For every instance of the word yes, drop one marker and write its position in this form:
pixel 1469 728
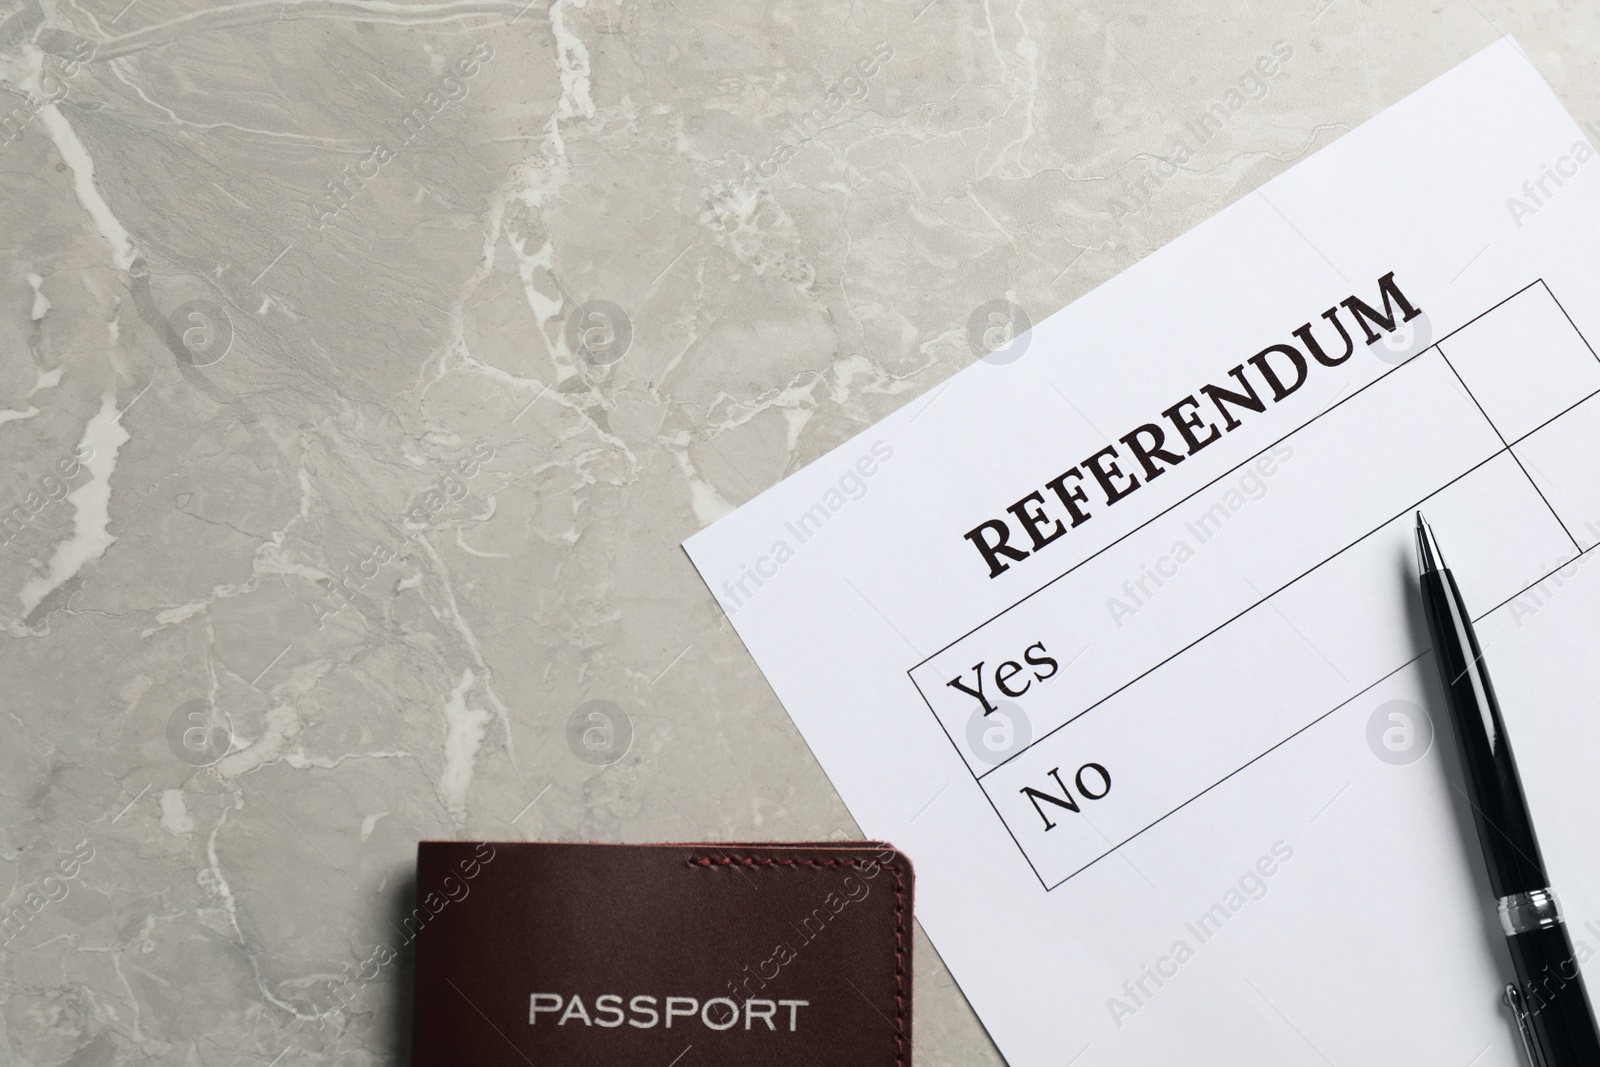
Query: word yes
pixel 1005 673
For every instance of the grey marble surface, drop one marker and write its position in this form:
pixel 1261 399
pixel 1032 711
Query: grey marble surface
pixel 366 361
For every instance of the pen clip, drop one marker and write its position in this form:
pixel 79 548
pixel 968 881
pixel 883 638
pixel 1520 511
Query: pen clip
pixel 1519 1011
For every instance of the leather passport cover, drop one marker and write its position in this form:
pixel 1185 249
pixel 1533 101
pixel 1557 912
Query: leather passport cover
pixel 589 955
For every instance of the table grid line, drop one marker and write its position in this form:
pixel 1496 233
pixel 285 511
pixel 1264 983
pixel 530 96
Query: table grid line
pixel 1313 722
pixel 1517 459
pixel 1306 573
pixel 1507 447
pixel 1242 463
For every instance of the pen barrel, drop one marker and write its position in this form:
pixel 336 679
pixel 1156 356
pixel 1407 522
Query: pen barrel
pixel 1557 1006
pixel 1499 808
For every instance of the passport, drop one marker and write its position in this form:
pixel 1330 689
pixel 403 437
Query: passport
pixel 692 955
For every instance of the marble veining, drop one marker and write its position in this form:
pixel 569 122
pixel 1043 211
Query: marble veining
pixel 366 361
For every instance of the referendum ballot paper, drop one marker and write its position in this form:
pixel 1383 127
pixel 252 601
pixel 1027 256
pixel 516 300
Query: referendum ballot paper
pixel 1117 634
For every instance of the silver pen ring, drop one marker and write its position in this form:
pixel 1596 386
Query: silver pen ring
pixel 1522 913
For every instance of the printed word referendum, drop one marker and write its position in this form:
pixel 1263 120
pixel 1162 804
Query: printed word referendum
pixel 1280 368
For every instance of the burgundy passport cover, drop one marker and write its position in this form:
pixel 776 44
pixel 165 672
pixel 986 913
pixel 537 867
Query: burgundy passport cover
pixel 571 955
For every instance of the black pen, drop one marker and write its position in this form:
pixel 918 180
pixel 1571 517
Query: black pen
pixel 1552 1010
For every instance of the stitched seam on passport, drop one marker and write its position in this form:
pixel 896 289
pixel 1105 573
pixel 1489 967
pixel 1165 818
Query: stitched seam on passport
pixel 708 862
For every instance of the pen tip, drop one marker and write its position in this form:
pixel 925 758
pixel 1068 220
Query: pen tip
pixel 1429 558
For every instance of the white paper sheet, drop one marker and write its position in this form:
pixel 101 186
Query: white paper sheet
pixel 1241 844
